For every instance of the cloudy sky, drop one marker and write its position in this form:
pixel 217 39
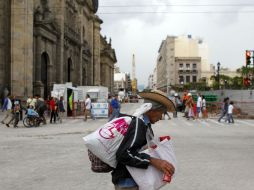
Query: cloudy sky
pixel 139 26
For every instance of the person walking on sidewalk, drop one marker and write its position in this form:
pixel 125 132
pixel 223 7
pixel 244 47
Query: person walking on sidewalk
pixel 41 107
pixel 53 109
pixel 88 107
pixel 204 110
pixel 230 118
pixel 7 106
pixel 224 108
pixel 137 135
pixel 115 104
pixel 16 108
pixel 199 106
pixel 61 108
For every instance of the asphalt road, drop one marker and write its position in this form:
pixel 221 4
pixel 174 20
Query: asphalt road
pixel 211 155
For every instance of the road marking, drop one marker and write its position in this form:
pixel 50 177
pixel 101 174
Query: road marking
pixel 187 123
pixel 244 122
pixel 215 122
pixel 204 123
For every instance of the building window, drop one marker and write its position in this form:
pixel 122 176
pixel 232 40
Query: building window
pixel 181 66
pixel 187 79
pixel 194 78
pixel 187 66
pixel 181 79
pixel 194 66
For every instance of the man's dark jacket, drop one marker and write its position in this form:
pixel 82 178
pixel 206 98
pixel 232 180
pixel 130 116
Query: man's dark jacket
pixel 128 152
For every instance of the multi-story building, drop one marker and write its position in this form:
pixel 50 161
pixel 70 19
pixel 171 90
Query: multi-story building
pixel 150 82
pixel 44 42
pixel 154 85
pixel 152 79
pixel 121 82
pixel 180 61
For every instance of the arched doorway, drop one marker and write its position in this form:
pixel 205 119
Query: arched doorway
pixel 44 73
pixel 69 68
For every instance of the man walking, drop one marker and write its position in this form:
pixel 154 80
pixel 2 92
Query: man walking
pixel 15 112
pixel 137 135
pixel 41 107
pixel 8 108
pixel 88 107
pixel 61 108
pixel 224 108
pixel 115 108
pixel 199 106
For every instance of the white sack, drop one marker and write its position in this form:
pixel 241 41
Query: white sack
pixel 105 141
pixel 151 178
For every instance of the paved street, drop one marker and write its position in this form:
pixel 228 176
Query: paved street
pixel 211 155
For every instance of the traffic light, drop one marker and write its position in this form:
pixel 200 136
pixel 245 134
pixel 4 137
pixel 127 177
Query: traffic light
pixel 248 57
pixel 246 82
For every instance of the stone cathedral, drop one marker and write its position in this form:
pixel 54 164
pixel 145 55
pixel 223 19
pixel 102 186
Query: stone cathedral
pixel 43 42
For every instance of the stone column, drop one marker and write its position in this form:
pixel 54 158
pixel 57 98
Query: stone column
pixel 38 60
pixel 96 51
pixel 4 46
pixel 22 47
pixel 60 11
pixel 38 86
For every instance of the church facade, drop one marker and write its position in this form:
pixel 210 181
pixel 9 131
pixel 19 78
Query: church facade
pixel 43 42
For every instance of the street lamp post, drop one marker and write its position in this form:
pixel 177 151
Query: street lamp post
pixel 218 72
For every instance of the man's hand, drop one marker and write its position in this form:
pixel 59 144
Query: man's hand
pixel 163 166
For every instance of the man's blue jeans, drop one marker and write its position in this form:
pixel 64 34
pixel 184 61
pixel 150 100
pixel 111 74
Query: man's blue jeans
pixel 115 114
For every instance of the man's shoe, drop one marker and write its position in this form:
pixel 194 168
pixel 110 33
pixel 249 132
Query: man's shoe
pixel 2 122
pixel 7 125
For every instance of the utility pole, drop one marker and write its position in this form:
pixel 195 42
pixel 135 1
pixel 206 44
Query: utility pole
pixel 218 72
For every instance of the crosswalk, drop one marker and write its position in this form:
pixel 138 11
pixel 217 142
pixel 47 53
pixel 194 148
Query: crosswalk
pixel 210 123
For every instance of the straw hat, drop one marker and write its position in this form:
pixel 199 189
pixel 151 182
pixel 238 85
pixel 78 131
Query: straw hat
pixel 160 97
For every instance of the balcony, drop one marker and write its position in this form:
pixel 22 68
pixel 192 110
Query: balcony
pixel 187 71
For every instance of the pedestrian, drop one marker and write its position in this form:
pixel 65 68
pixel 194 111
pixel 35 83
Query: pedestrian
pixel 224 108
pixel 33 102
pixel 199 106
pixel 190 107
pixel 16 107
pixel 204 110
pixel 61 108
pixel 41 107
pixel 7 107
pixel 230 118
pixel 28 101
pixel 88 107
pixel 52 104
pixel 115 104
pixel 178 103
pixel 185 98
pixel 128 152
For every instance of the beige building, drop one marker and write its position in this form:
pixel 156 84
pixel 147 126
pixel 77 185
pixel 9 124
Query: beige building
pixel 152 80
pixel 121 82
pixel 43 42
pixel 181 60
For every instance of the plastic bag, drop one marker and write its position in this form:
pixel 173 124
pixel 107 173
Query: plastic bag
pixel 105 141
pixel 152 178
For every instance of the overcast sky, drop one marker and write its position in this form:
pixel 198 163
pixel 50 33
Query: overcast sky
pixel 225 25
